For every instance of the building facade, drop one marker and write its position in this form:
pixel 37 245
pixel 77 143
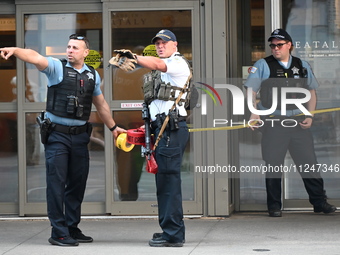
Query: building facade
pixel 222 38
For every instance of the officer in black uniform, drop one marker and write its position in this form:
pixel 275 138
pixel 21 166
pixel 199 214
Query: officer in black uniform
pixel 282 70
pixel 65 131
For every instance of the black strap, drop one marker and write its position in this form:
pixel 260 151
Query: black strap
pixel 154 124
pixel 182 118
pixel 72 130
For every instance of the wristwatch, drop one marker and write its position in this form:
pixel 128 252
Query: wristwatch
pixel 113 128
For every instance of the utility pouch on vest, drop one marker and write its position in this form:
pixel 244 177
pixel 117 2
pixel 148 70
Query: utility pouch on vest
pixel 164 91
pixel 80 111
pixel 71 104
pixel 45 127
pixel 148 88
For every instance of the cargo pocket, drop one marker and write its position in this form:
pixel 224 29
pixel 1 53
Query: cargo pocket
pixel 169 160
pixel 54 160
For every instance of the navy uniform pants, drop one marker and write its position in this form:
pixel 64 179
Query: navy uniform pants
pixel 169 155
pixel 276 141
pixel 67 168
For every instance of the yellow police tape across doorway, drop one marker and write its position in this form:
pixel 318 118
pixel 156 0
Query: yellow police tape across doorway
pixel 245 126
pixel 123 144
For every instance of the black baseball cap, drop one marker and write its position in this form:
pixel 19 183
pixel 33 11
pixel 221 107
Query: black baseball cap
pixel 280 34
pixel 165 35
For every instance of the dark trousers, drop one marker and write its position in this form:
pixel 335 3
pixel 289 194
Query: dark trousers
pixel 169 155
pixel 67 168
pixel 276 141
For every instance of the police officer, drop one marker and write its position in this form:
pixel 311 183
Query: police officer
pixel 72 88
pixel 174 70
pixel 279 70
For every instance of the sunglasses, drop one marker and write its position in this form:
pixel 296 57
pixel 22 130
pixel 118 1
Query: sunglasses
pixel 77 37
pixel 279 45
pixel 80 37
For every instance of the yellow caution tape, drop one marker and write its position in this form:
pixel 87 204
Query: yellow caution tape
pixel 245 126
pixel 324 110
pixel 218 128
pixel 121 143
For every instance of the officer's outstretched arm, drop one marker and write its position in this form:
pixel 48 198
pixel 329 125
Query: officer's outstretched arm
pixel 26 55
pixel 152 63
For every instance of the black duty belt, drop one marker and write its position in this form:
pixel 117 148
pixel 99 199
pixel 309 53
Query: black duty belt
pixel 72 130
pixel 155 126
pixel 182 118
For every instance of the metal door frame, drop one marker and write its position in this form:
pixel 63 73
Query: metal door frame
pixel 26 208
pixel 8 207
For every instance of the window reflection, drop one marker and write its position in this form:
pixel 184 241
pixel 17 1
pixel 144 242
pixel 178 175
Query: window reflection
pixel 314 27
pixel 130 165
pixel 48 34
pixel 95 188
pixel 132 182
pixel 8 157
pixel 134 31
pixel 35 162
pixel 252 185
pixel 7 67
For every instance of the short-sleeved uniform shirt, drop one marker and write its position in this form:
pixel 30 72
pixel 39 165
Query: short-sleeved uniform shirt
pixel 54 73
pixel 260 72
pixel 177 74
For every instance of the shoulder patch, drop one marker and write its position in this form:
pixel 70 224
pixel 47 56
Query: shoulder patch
pixel 177 59
pixel 252 69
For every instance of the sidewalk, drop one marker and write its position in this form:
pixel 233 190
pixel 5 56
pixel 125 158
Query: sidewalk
pixel 241 234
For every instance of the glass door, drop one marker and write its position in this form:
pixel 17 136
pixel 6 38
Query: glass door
pixel 252 190
pixel 9 168
pixel 134 189
pixel 314 27
pixel 48 34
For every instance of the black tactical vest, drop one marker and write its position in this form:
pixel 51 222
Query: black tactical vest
pixel 280 77
pixel 155 88
pixel 72 97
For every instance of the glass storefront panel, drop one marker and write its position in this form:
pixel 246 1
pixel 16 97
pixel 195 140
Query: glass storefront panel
pixel 35 162
pixel 48 34
pixel 134 30
pixel 8 157
pixel 7 67
pixel 8 120
pixel 130 165
pixel 252 185
pixel 132 182
pixel 314 27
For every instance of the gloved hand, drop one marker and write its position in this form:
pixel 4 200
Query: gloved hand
pixel 125 60
pixel 126 53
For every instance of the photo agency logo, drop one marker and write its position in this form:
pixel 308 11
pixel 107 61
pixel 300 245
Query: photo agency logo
pixel 238 106
pixel 204 97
